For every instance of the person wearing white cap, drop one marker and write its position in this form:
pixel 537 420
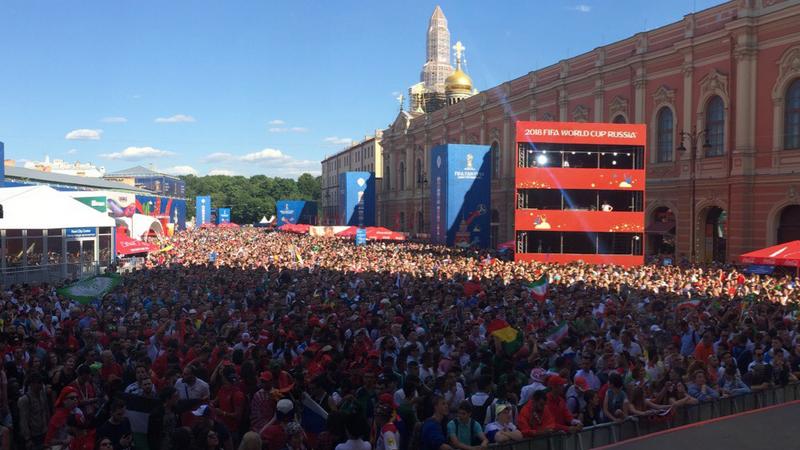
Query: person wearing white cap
pixel 503 429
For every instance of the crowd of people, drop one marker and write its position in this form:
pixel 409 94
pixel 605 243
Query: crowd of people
pixel 243 338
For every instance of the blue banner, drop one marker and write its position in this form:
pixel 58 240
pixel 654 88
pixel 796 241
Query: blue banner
pixel 460 195
pixel 361 236
pixel 174 209
pixel 202 210
pixel 81 232
pixel 223 215
pixel 357 199
pixel 296 211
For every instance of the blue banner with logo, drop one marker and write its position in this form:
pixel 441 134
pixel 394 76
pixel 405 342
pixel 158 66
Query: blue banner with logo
pixel 202 210
pixel 357 199
pixel 223 215
pixel 296 211
pixel 361 236
pixel 81 232
pixel 460 193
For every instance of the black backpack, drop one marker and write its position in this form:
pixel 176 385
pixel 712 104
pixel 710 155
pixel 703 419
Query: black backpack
pixel 479 411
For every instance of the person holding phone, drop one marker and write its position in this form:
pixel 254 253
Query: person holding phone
pixel 117 428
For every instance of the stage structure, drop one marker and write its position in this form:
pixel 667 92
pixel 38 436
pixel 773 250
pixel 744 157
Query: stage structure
pixel 580 192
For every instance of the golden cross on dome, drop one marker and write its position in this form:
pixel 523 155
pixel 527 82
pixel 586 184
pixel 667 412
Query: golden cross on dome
pixel 459 48
pixel 400 99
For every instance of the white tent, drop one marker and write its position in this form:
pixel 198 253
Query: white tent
pixel 42 207
pixel 264 220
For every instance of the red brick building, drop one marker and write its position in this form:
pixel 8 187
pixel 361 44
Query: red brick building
pixel 731 73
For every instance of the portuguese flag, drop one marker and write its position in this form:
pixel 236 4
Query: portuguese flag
pixel 538 288
pixel 509 336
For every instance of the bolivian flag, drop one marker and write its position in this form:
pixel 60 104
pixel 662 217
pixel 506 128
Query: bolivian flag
pixel 538 288
pixel 510 337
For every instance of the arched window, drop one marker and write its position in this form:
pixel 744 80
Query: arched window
pixel 791 117
pixel 386 179
pixel 664 135
pixel 619 118
pixel 495 152
pixel 715 126
pixel 402 176
pixel 419 172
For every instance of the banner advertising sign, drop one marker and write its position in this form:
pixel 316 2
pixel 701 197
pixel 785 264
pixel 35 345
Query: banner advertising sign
pixel 460 195
pixel 166 209
pixel 98 203
pixel 296 211
pixel 81 232
pixel 202 213
pixel 357 198
pixel 223 215
pixel 361 236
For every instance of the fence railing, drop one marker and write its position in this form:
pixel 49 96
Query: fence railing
pixel 49 273
pixel 610 433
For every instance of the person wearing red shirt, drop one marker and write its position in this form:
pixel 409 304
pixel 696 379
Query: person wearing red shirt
pixel 230 402
pixel 705 347
pixel 274 434
pixel 110 366
pixel 534 419
pixel 556 406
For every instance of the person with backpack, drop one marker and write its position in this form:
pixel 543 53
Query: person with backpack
pixel 482 399
pixel 464 432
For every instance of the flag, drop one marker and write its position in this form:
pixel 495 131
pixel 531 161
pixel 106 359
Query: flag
pixel 313 418
pixel 85 291
pixel 538 288
pixel 509 336
pixel 558 333
pixel 690 304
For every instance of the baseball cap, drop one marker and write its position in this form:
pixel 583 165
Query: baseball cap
pixel 500 407
pixel 203 410
pixel 265 376
pixel 581 383
pixel 555 380
pixel 284 406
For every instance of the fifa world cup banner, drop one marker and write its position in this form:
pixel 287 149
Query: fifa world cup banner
pixel 296 211
pixel 223 215
pixel 202 210
pixel 357 198
pixel 460 195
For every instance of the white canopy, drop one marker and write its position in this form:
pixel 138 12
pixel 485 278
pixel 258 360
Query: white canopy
pixel 264 220
pixel 42 207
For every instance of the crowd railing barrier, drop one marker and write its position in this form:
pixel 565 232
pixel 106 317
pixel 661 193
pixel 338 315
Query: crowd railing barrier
pixel 610 433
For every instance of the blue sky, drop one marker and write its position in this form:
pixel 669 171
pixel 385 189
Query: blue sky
pixel 256 86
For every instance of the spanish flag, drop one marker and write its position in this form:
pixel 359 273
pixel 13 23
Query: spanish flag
pixel 509 336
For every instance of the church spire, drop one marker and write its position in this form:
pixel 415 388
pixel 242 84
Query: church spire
pixel 437 66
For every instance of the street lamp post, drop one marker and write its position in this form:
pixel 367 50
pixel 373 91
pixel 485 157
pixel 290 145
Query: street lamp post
pixel 694 138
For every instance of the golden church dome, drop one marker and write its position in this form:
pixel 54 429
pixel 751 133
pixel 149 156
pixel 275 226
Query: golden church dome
pixel 458 81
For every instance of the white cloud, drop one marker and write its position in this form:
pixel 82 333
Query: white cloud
pixel 217 157
pixel 72 151
pixel 180 170
pixel 277 122
pixel 137 154
pixel 114 119
pixel 334 140
pixel 223 172
pixel 177 118
pixel 277 130
pixel 268 154
pixel 581 8
pixel 83 134
pixel 299 129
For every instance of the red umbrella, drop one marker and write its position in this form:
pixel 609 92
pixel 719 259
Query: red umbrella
pixel 129 246
pixel 228 225
pixel 207 225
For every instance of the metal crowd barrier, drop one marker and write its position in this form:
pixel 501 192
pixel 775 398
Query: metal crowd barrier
pixel 610 433
pixel 49 273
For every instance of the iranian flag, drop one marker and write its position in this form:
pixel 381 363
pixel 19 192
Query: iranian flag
pixel 558 333
pixel 509 336
pixel 690 304
pixel 538 288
